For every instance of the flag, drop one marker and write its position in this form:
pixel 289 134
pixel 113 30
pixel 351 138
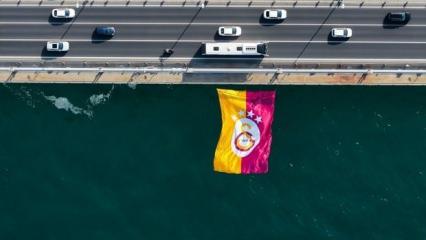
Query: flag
pixel 246 136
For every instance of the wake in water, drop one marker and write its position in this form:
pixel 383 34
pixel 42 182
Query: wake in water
pixel 64 104
pixel 97 99
pixel 32 97
pixel 132 85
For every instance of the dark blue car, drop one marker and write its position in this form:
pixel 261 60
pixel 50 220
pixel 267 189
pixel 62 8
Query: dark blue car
pixel 105 31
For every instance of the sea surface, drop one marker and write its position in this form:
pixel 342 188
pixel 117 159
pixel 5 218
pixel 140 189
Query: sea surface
pixel 136 162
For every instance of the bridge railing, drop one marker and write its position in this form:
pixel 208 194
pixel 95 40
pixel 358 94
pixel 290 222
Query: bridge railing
pixel 189 70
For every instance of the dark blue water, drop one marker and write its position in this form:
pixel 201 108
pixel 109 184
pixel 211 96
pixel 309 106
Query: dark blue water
pixel 118 162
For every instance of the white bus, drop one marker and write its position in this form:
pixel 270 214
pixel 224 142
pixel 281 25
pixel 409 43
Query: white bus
pixel 235 48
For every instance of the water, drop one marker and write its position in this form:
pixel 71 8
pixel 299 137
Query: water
pixel 135 162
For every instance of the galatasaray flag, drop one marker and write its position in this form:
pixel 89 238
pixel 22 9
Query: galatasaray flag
pixel 245 139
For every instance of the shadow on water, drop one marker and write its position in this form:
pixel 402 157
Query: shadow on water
pixel 269 22
pixel 47 55
pixel 335 41
pixel 201 61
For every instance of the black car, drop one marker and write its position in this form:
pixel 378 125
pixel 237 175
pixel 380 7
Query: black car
pixel 398 17
pixel 105 31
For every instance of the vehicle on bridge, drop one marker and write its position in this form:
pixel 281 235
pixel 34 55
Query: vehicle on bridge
pixel 235 48
pixel 341 32
pixel 229 31
pixel 275 14
pixel 63 13
pixel 168 51
pixel 105 31
pixel 58 46
pixel 398 17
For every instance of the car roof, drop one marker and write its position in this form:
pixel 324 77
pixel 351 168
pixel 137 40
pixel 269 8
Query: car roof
pixel 228 29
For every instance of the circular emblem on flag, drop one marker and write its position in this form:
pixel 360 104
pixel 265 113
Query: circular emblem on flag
pixel 244 141
pixel 245 137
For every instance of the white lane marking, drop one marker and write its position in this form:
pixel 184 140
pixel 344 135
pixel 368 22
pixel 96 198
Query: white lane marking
pixel 267 59
pixel 208 40
pixel 355 6
pixel 211 24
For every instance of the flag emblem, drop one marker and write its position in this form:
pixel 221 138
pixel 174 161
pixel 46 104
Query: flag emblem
pixel 245 139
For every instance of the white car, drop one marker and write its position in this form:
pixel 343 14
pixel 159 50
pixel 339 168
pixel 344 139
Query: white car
pixel 229 31
pixel 276 14
pixel 341 32
pixel 58 46
pixel 63 13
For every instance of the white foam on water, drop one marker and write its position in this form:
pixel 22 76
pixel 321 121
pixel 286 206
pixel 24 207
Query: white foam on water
pixel 132 85
pixel 64 104
pixel 97 99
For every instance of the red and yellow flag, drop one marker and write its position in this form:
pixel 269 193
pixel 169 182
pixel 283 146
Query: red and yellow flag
pixel 246 136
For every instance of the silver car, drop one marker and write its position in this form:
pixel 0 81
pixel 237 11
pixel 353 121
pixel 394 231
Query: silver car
pixel 58 46
pixel 229 31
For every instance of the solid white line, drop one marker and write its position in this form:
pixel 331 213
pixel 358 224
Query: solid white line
pixel 313 60
pixel 209 40
pixel 212 24
pixel 347 6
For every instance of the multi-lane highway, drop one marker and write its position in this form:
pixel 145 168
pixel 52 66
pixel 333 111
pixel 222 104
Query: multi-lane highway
pixel 144 32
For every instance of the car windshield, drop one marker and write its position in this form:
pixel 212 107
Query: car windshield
pixel 345 32
pixel 55 12
pixel 267 14
pixel 279 13
pixel 234 31
pixel 222 30
pixel 61 45
pixel 67 12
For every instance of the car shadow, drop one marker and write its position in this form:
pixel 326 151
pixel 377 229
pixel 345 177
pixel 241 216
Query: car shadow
pixel 335 41
pixel 58 21
pixel 96 38
pixel 48 55
pixel 269 22
pixel 219 38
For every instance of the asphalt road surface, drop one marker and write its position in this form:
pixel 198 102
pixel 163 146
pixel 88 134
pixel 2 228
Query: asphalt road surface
pixel 143 33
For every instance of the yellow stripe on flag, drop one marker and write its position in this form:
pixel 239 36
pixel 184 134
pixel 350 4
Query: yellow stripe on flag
pixel 232 104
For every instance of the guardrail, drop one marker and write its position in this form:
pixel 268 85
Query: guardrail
pixel 212 70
